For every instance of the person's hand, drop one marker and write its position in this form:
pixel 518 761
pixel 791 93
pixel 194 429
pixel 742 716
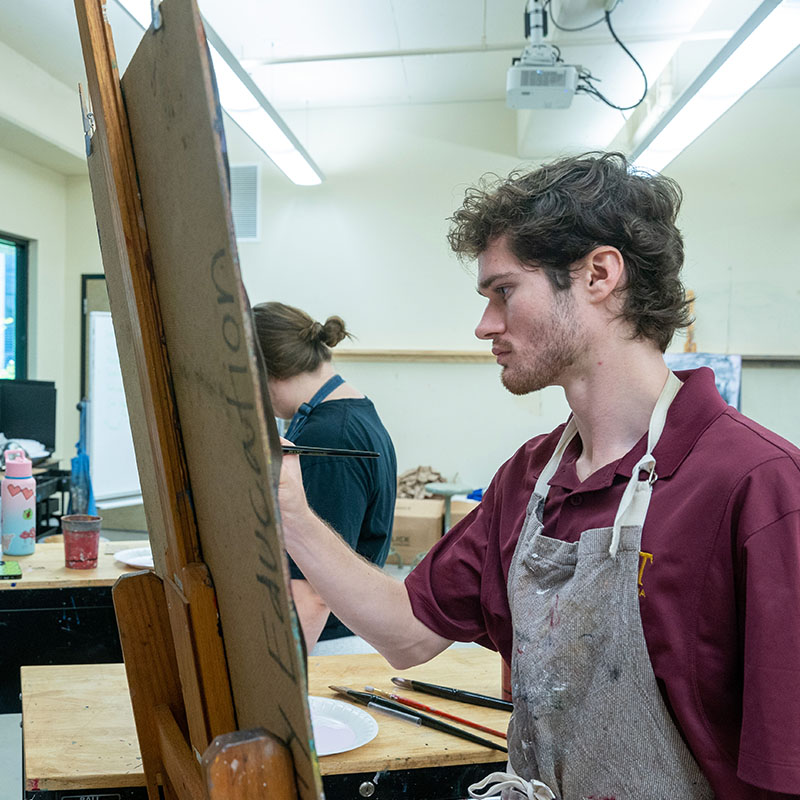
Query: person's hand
pixel 291 495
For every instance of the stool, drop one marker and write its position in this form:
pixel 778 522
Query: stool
pixel 447 490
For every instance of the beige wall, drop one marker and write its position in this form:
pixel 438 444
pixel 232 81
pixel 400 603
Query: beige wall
pixel 369 243
pixel 740 222
pixel 33 205
pixel 54 212
pixel 82 258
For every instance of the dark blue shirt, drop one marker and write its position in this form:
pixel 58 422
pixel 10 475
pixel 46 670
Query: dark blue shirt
pixel 355 496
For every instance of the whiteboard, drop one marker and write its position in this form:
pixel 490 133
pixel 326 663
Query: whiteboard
pixel 112 461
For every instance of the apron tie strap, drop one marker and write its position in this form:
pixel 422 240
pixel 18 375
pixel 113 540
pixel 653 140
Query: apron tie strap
pixel 496 782
pixel 301 415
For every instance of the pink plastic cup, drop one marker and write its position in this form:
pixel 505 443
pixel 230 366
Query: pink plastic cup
pixel 81 540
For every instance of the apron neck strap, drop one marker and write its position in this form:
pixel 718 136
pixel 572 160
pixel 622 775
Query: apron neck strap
pixel 543 482
pixel 626 514
pixel 302 413
pixel 636 497
pixel 659 417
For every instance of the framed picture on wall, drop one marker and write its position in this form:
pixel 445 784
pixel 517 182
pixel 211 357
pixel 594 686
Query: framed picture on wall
pixel 727 371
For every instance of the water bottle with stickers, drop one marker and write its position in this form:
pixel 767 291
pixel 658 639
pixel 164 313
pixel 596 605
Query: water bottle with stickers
pixel 18 505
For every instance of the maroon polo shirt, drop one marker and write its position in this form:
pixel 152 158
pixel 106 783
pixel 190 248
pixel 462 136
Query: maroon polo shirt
pixel 719 583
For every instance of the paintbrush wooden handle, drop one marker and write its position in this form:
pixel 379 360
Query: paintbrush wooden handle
pixel 422 707
pixel 407 701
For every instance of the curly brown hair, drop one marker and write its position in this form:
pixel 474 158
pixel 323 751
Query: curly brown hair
pixel 556 215
pixel 291 341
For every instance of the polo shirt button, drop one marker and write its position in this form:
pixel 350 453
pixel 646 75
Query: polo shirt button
pixel 576 499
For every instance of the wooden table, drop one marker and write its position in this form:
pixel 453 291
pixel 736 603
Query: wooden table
pixel 45 568
pixel 79 736
pixel 55 615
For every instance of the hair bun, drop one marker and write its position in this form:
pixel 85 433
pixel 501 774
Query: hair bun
pixel 333 331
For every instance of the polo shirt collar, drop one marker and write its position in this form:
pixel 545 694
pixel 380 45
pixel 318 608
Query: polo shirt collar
pixel 694 408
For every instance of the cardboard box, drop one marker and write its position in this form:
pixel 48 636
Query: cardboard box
pixel 418 524
pixel 460 508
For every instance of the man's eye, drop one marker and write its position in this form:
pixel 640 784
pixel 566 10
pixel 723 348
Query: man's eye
pixel 502 291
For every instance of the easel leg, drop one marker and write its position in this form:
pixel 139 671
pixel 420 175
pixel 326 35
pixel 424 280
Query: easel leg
pixel 153 680
pixel 249 765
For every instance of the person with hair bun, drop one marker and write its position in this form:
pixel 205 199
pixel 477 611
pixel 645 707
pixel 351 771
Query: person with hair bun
pixel 354 496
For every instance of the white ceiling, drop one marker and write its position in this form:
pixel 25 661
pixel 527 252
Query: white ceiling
pixel 351 53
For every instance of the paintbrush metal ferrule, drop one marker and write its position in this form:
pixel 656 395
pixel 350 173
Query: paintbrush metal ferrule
pixel 371 699
pixel 373 690
pixel 359 697
pixel 459 695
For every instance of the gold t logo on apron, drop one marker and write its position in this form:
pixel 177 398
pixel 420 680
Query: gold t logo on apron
pixel 644 560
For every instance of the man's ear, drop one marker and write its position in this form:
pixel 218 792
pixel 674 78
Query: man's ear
pixel 602 273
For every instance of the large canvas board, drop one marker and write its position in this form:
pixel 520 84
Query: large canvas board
pixel 223 409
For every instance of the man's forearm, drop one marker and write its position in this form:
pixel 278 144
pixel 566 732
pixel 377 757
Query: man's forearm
pixel 370 602
pixel 311 609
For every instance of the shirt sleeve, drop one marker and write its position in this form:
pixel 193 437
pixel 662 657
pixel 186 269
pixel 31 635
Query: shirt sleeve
pixel 446 587
pixel 769 754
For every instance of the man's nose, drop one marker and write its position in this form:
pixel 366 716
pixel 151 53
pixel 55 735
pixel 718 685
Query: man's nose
pixel 490 324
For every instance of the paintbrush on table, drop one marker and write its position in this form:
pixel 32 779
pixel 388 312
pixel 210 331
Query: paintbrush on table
pixel 407 701
pixel 366 699
pixel 454 694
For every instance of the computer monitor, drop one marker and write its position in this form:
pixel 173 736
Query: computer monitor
pixel 28 411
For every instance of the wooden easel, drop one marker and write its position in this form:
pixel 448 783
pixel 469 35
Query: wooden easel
pixel 210 640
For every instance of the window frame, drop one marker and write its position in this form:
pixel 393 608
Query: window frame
pixel 21 319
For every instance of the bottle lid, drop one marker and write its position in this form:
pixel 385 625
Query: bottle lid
pixel 18 465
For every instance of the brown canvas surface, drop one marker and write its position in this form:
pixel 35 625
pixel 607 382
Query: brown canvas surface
pixel 224 414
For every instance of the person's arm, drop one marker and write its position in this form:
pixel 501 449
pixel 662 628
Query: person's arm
pixel 312 611
pixel 371 603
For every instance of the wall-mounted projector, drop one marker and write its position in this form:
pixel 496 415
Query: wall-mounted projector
pixel 539 78
pixel 540 86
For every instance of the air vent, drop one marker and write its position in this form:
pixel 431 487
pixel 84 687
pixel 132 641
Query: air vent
pixel 539 77
pixel 244 201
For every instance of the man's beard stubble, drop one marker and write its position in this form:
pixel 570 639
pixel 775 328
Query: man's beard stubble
pixel 557 348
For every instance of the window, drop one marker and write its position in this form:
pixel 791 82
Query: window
pixel 14 298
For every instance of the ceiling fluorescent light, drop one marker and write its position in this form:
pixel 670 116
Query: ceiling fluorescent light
pixel 765 39
pixel 245 104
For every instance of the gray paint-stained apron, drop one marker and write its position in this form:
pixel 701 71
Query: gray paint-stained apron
pixel 589 720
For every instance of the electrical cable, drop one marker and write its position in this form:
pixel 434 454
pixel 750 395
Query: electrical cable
pixel 590 89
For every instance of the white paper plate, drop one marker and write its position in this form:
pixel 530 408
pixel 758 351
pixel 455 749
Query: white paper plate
pixel 339 727
pixel 141 557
